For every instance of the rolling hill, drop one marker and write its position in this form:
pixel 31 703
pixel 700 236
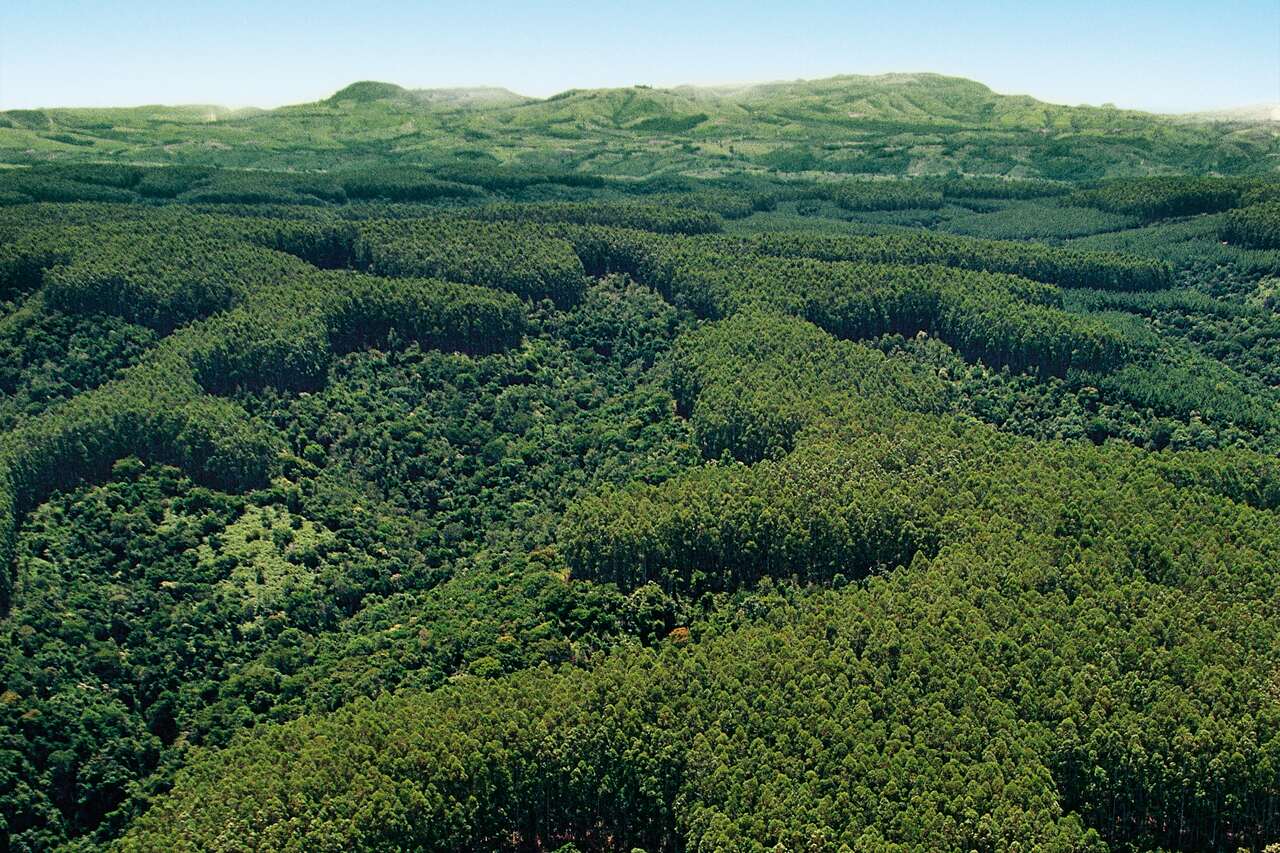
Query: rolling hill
pixel 867 464
pixel 888 124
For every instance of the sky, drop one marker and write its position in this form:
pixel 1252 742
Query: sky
pixel 1159 55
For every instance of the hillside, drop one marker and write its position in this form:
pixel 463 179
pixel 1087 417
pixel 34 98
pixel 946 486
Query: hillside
pixel 367 91
pixel 846 465
pixel 843 125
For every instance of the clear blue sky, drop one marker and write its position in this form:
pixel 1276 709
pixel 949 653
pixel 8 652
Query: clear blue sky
pixel 1164 55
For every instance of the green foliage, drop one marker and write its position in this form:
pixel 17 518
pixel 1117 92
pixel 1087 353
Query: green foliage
pixel 453 470
pixel 285 348
pixel 283 335
pixel 885 195
pixel 24 260
pixel 1000 319
pixel 402 184
pixel 646 217
pixel 1158 198
pixel 973 187
pixel 368 90
pixel 751 383
pixel 619 319
pixel 511 256
pixel 863 717
pixel 275 599
pixel 669 124
pixel 1192 385
pixel 710 530
pixel 236 187
pixel 164 281
pixel 1254 227
pixel 728 203
pixel 1063 267
pixel 171 181
pixel 48 355
pixel 1195 248
pixel 52 186
pixel 1037 222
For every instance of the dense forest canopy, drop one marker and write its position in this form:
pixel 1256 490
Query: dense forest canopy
pixel 856 465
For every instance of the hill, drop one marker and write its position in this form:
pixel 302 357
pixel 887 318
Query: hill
pixel 844 465
pixel 880 125
pixel 367 91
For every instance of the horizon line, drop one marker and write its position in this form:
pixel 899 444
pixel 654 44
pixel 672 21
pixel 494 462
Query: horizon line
pixel 1225 108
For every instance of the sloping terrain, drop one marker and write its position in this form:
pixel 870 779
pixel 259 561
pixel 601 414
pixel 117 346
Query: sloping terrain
pixel 755 469
pixel 892 124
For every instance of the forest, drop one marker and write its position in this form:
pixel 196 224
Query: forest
pixel 560 479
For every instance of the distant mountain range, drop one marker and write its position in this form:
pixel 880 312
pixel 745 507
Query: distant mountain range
pixel 1254 113
pixel 878 96
pixel 470 96
pixel 931 96
pixel 887 124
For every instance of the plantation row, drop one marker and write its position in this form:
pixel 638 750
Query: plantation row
pixel 751 383
pixel 761 387
pixel 1002 320
pixel 1050 666
pixel 1146 198
pixel 650 205
pixel 1159 198
pixel 510 256
pixel 1255 227
pixel 439 183
pixel 1032 220
pixel 1195 248
pixel 165 282
pixel 452 486
pixel 657 261
pixel 1163 197
pixel 197 184
pixel 1063 267
pixel 753 386
pixel 814 515
pixel 418 183
pixel 726 203
pixel 276 322
pixel 499 253
pixel 91 266
pixel 977 187
pixel 999 319
pixel 885 195
pixel 282 332
pixel 667 219
pixel 870 488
